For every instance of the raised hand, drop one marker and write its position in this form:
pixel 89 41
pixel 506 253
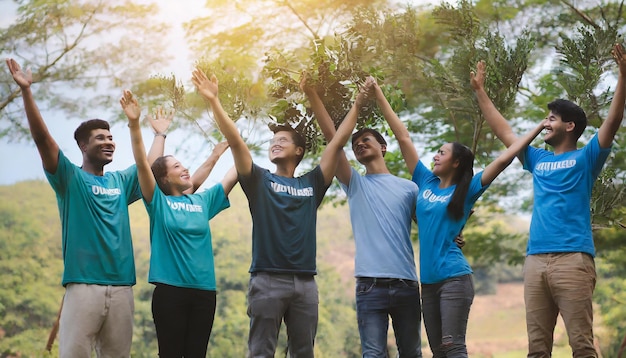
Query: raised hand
pixel 23 79
pixel 305 84
pixel 477 79
pixel 365 92
pixel 620 57
pixel 161 120
pixel 207 88
pixel 131 107
pixel 220 148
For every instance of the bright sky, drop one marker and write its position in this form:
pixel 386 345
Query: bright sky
pixel 21 161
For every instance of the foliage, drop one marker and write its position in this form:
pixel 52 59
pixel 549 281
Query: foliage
pixel 535 51
pixel 87 45
pixel 31 268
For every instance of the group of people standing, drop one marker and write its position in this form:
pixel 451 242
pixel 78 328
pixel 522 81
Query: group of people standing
pixel 559 272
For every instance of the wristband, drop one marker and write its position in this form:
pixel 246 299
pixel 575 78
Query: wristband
pixel 160 135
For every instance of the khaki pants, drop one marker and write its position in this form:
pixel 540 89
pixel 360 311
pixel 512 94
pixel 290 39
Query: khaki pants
pixel 96 317
pixel 559 283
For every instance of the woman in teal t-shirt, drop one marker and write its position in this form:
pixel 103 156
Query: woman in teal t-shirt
pixel 181 260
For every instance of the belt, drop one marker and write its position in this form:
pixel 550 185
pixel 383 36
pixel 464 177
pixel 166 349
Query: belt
pixel 383 280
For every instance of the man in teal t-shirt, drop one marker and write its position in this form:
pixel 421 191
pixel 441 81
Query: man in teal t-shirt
pixel 99 267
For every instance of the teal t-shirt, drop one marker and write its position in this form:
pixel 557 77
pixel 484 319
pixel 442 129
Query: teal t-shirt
pixel 440 257
pixel 180 237
pixel 96 240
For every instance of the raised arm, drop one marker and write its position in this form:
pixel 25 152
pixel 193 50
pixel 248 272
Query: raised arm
pixel 208 88
pixel 334 148
pixel 160 122
pixel 131 108
pixel 46 145
pixel 409 153
pixel 503 160
pixel 613 121
pixel 200 175
pixel 494 118
pixel 230 180
pixel 343 171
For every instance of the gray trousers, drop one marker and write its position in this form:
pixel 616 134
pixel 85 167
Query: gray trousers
pixel 273 298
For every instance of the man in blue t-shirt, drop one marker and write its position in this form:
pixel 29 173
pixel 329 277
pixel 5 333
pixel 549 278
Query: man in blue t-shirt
pixel 381 207
pixel 99 266
pixel 559 271
pixel 284 214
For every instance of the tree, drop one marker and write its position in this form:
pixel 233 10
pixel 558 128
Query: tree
pixel 81 54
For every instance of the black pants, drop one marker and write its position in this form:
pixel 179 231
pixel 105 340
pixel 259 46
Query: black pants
pixel 183 318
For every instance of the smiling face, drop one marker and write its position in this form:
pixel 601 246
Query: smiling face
pixel 556 130
pixel 99 148
pixel 443 162
pixel 177 177
pixel 366 148
pixel 283 147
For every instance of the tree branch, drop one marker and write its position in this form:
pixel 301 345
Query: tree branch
pixel 581 14
pixel 288 5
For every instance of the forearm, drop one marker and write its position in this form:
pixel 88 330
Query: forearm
pixel 346 127
pixel 504 160
pixel 613 121
pixel 499 125
pixel 343 169
pixel 156 149
pixel 397 127
pixel 230 180
pixel 409 153
pixel 322 116
pixel 334 148
pixel 144 172
pixel 241 153
pixel 46 145
pixel 203 172
pixel 223 121
pixel 524 141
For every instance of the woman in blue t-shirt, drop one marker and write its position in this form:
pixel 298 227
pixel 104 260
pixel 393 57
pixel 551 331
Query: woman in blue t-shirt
pixel 445 198
pixel 181 259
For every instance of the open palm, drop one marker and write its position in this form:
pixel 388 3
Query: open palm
pixel 23 79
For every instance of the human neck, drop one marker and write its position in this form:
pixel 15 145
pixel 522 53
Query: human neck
pixel 91 168
pixel 376 167
pixel 564 147
pixel 285 170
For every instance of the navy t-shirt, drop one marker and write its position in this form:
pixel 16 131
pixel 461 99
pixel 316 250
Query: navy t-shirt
pixel 284 217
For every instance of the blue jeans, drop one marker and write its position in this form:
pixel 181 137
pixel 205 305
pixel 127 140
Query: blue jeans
pixel 274 297
pixel 379 299
pixel 446 308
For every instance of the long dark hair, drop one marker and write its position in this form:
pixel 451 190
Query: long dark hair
pixel 462 178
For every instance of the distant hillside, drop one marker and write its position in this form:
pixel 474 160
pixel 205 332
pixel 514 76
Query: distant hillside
pixel 30 272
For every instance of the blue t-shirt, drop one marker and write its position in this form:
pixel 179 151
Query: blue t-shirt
pixel 440 257
pixel 96 240
pixel 180 237
pixel 381 206
pixel 562 185
pixel 284 216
